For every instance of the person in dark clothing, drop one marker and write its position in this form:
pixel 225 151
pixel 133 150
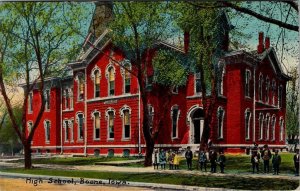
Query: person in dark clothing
pixel 189 158
pixel 155 159
pixel 266 156
pixel 202 159
pixel 276 160
pixel 162 159
pixel 213 156
pixel 296 162
pixel 255 157
pixel 221 161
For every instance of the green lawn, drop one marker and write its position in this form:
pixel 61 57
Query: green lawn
pixel 77 160
pixel 228 182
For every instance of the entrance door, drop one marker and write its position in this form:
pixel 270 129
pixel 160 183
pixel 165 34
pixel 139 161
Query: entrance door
pixel 197 126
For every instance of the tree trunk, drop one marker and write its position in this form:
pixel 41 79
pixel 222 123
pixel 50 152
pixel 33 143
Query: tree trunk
pixel 27 155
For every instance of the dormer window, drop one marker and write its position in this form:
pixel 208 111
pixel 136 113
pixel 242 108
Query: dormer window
pixel 111 81
pixel 198 88
pixel 80 81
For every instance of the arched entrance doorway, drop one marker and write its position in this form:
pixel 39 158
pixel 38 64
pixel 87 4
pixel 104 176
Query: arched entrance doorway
pixel 196 125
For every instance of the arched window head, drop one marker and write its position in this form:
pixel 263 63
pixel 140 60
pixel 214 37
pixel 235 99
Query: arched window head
pixel 220 114
pixel 125 71
pixel 96 75
pixel 247 123
pixel 110 75
pixel 80 82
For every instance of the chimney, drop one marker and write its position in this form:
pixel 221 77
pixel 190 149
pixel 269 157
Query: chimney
pixel 186 41
pixel 260 47
pixel 267 42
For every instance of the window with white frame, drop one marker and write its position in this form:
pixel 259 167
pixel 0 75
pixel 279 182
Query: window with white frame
pixel 47 131
pixel 111 81
pixel 220 115
pixel 280 91
pixel 96 116
pixel 261 126
pixel 67 98
pixel 127 78
pixel 71 98
pixel 150 116
pixel 267 133
pixel 47 100
pixel 175 117
pixel 29 127
pixel 96 83
pixel 175 89
pixel 125 114
pixel 80 123
pixel 281 126
pixel 110 116
pixel 273 125
pixel 260 87
pixel 80 83
pixel 67 130
pixel 221 66
pixel 71 124
pixel 30 102
pixel 247 123
pixel 267 90
pixel 198 88
pixel 247 83
pixel 273 91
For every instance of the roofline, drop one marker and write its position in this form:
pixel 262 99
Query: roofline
pixel 164 43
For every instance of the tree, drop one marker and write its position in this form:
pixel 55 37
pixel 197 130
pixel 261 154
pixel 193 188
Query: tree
pixel 34 35
pixel 293 102
pixel 135 28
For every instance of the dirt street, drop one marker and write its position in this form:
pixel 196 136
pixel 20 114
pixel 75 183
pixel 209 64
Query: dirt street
pixel 9 184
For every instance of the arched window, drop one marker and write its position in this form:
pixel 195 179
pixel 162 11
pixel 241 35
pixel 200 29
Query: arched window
pixel 66 124
pixel 80 123
pixel 47 131
pixel 267 133
pixel 111 81
pixel 151 116
pixel 220 115
pixel 280 91
pixel 267 89
pixel 126 77
pixel 281 126
pixel 247 123
pixel 273 124
pixel 80 82
pixel 67 98
pixel 110 117
pixel 247 83
pixel 47 100
pixel 29 127
pixel 260 87
pixel 125 112
pixel 97 83
pixel 221 66
pixel 273 91
pixel 96 117
pixel 175 117
pixel 261 126
pixel 30 102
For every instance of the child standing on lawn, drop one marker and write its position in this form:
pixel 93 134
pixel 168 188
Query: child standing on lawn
pixel 162 159
pixel 255 160
pixel 171 160
pixel 202 160
pixel 276 160
pixel 155 159
pixel 221 161
pixel 176 160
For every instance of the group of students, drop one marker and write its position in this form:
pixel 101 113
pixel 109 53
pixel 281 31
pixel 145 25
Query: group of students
pixel 266 157
pixel 172 158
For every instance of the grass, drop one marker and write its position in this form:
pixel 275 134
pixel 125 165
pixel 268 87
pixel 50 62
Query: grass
pixel 228 182
pixel 77 160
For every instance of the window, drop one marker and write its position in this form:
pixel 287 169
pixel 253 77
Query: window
pixel 221 66
pixel 267 133
pixel 247 83
pixel 67 130
pixel 220 115
pixel 47 100
pixel 198 88
pixel 47 131
pixel 281 125
pixel 111 81
pixel 80 80
pixel 267 90
pixel 96 125
pixel 29 127
pixel 247 123
pixel 127 79
pixel 71 124
pixel 111 133
pixel 151 116
pixel 273 91
pixel 80 126
pixel 126 124
pixel 67 97
pixel 280 96
pixel 261 126
pixel 175 90
pixel 97 83
pixel 71 98
pixel 30 99
pixel 260 84
pixel 273 124
pixel 175 117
